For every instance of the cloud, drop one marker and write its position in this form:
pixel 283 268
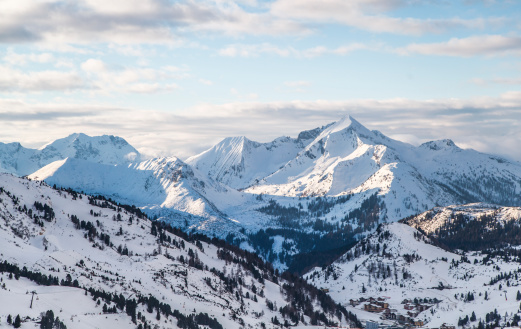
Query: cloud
pixel 130 21
pixel 370 16
pixel 94 76
pixel 241 50
pixel 502 81
pixel 487 124
pixel 13 58
pixel 12 80
pixel 105 79
pixel 295 84
pixel 205 82
pixel 256 50
pixel 482 45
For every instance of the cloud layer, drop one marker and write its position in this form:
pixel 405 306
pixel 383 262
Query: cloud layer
pixel 486 124
pixel 159 21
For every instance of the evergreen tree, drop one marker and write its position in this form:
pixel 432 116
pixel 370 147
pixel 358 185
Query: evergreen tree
pixel 473 317
pixel 9 319
pixel 17 322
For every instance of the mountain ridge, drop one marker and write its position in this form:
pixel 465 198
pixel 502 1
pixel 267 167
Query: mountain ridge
pixel 340 180
pixel 107 149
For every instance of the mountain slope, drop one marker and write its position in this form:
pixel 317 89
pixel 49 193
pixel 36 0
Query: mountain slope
pixel 422 282
pixel 21 161
pixel 164 187
pixel 476 226
pixel 239 162
pixel 136 272
pixel 347 158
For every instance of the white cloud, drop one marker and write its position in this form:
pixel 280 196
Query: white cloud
pixel 141 80
pixel 206 82
pixel 13 58
pixel 494 81
pixel 256 50
pixel 93 66
pixel 12 80
pixel 297 86
pixel 300 83
pixel 130 21
pixel 486 45
pixel 370 16
pixel 151 88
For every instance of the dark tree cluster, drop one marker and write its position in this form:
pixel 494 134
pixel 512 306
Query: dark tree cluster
pixel 48 211
pixel 48 321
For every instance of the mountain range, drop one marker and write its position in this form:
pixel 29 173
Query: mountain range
pixel 340 180
pixel 394 233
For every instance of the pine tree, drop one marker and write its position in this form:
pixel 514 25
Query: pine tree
pixel 473 317
pixel 9 319
pixel 17 322
pixel 518 297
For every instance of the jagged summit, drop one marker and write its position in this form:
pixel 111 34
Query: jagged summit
pixel 442 144
pixel 239 162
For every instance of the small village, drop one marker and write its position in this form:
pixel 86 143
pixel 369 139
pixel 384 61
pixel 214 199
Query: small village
pixel 404 318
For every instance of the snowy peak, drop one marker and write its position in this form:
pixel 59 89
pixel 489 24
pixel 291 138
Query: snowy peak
pixel 18 160
pixel 443 144
pixel 344 127
pixel 239 162
pixel 105 149
pixel 224 158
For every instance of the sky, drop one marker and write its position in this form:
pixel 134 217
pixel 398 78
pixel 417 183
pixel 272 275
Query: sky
pixel 174 77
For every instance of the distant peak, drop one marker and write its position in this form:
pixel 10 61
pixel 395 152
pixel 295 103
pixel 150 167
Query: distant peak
pixel 442 144
pixel 348 122
pixel 353 121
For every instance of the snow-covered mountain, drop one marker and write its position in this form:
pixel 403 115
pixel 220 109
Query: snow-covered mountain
pixel 239 162
pixel 398 274
pixel 346 158
pixel 21 161
pixel 96 264
pixel 475 226
pixel 339 181
pixel 434 220
pixel 163 187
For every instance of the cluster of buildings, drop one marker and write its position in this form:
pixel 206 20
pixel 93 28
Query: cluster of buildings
pixel 406 317
pixel 376 325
